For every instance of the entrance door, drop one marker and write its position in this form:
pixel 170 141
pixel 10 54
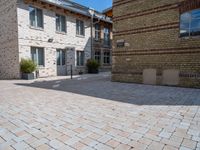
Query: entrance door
pixel 61 62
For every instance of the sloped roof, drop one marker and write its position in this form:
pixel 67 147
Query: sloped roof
pixel 77 8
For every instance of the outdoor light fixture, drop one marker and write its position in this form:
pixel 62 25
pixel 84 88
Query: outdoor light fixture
pixel 50 40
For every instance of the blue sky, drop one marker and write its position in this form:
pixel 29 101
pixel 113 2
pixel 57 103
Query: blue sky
pixel 96 4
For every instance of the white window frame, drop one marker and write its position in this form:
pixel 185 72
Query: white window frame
pixel 61 51
pixel 97 32
pixel 78 60
pixel 36 18
pixel 105 57
pixel 60 23
pixel 37 55
pixel 97 57
pixel 79 27
pixel 190 22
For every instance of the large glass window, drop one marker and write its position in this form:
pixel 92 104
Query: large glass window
pixel 60 23
pixel 61 57
pixel 97 56
pixel 97 32
pixel 80 30
pixel 106 59
pixel 190 23
pixel 106 36
pixel 36 17
pixel 80 58
pixel 37 55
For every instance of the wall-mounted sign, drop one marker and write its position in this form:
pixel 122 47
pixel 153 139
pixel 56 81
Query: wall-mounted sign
pixel 120 43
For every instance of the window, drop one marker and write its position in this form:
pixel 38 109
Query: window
pixel 190 23
pixel 106 36
pixel 106 59
pixel 97 56
pixel 80 58
pixel 36 17
pixel 60 57
pixel 37 55
pixel 60 23
pixel 80 30
pixel 97 32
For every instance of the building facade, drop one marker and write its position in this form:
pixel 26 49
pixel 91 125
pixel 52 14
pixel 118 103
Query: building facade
pixel 156 42
pixel 55 34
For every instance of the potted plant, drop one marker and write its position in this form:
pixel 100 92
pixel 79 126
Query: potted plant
pixel 93 66
pixel 27 67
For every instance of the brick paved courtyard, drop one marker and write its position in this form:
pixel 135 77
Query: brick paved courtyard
pixel 92 113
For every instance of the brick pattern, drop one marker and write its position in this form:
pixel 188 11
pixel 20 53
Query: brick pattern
pixel 9 58
pixel 151 34
pixel 35 115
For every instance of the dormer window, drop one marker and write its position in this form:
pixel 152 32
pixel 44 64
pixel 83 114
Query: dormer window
pixel 190 23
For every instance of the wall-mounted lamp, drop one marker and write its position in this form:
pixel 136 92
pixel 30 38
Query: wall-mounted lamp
pixel 50 40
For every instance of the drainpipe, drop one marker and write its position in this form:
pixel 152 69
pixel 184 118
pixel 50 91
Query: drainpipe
pixel 91 11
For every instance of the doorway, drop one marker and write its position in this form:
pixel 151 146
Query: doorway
pixel 61 62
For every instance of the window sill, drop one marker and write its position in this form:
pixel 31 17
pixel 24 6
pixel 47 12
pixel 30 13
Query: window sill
pixel 80 66
pixel 40 67
pixel 190 37
pixel 106 64
pixel 107 46
pixel 60 32
pixel 80 36
pixel 36 28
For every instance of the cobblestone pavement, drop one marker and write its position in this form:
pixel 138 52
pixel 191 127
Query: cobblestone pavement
pixel 92 113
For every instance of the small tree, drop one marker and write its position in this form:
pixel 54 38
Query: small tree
pixel 27 66
pixel 93 66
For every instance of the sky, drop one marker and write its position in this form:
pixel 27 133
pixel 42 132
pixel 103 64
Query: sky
pixel 98 5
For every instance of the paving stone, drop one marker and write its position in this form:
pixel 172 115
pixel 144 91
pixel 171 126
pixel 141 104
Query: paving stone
pixel 101 146
pixel 105 138
pixel 189 144
pixel 168 147
pixel 20 146
pixel 123 147
pixel 79 145
pixel 171 142
pixel 90 113
pixel 165 134
pixel 137 145
pixel 56 144
pixel 39 142
pixel 113 143
pixel 43 147
pixel 72 140
pixel 155 146
pixel 184 148
pixel 135 136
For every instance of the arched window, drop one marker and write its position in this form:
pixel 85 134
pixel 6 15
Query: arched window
pixel 190 23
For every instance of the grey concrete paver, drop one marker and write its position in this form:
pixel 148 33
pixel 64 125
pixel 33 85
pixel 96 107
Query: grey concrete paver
pixel 90 112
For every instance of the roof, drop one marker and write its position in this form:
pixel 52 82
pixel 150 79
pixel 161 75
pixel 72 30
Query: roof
pixel 107 9
pixel 77 8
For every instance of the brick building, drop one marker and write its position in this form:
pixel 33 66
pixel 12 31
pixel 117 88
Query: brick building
pixel 54 33
pixel 157 42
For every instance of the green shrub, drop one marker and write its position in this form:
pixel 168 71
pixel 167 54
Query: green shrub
pixel 93 66
pixel 27 66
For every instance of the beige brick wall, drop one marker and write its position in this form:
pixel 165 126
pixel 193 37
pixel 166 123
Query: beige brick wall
pixel 9 58
pixel 39 38
pixel 159 49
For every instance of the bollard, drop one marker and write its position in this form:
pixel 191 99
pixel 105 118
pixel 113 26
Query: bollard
pixel 71 73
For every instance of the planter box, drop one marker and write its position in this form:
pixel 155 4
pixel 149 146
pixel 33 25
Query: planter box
pixel 28 76
pixel 93 71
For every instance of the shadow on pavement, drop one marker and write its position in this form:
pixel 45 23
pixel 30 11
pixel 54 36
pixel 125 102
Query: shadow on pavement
pixel 100 86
